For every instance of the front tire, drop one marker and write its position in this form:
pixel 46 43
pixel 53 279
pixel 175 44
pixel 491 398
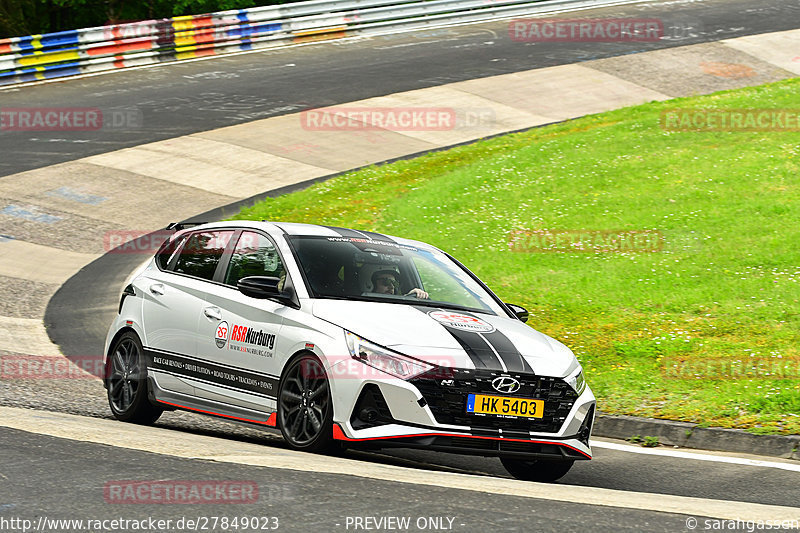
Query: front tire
pixel 536 470
pixel 127 382
pixel 305 408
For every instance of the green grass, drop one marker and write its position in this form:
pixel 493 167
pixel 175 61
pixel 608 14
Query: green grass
pixel 726 285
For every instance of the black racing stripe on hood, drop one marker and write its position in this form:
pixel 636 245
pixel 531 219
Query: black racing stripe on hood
pixel 490 351
pixel 478 350
pixel 508 352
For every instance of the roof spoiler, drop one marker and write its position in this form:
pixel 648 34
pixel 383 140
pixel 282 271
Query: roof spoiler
pixel 180 226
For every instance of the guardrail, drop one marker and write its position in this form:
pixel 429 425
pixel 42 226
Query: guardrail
pixel 68 53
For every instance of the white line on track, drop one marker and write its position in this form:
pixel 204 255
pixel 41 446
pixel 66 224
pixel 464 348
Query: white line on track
pixel 696 456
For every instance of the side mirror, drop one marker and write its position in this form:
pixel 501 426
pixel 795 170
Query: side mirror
pixel 259 286
pixel 518 310
pixel 266 287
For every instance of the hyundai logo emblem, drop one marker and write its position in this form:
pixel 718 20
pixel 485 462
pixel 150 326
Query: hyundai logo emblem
pixel 506 384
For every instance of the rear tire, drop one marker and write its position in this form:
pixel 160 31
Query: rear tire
pixel 127 382
pixel 536 469
pixel 305 408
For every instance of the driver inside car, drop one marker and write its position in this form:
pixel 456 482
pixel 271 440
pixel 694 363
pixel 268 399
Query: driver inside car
pixel 386 282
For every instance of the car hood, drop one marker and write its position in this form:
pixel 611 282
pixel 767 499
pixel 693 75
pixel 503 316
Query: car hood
pixel 451 338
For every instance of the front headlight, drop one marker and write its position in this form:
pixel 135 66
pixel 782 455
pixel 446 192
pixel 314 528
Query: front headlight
pixel 576 381
pixel 381 358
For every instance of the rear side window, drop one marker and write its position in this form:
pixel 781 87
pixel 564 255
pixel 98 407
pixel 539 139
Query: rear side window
pixel 168 251
pixel 254 255
pixel 200 255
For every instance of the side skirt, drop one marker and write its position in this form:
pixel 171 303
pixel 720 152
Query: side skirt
pixel 174 400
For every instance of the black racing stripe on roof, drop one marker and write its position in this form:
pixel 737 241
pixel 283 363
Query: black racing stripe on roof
pixel 378 236
pixel 345 232
pixel 357 234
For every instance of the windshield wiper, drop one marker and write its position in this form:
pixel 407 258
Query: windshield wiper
pixel 446 305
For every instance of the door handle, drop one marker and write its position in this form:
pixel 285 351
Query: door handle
pixel 213 312
pixel 157 288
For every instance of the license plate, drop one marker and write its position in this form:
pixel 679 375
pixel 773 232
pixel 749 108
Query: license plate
pixel 499 405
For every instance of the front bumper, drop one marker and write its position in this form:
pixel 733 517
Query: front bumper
pixel 430 413
pixel 465 443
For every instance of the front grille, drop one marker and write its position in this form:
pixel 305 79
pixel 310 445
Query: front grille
pixel 465 442
pixel 446 394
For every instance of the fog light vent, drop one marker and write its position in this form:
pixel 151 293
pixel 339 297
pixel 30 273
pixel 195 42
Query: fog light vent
pixel 371 409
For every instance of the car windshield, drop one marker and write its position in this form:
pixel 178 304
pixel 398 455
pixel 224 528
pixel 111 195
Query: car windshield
pixel 384 271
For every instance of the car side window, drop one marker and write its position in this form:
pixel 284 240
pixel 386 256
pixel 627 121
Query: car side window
pixel 167 252
pixel 200 255
pixel 254 255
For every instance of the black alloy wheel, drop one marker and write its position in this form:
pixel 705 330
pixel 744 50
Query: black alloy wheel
pixel 305 409
pixel 126 377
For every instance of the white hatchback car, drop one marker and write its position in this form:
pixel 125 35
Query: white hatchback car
pixel 343 337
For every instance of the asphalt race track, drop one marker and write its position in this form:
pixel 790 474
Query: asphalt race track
pixel 61 477
pixel 305 502
pixel 168 101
